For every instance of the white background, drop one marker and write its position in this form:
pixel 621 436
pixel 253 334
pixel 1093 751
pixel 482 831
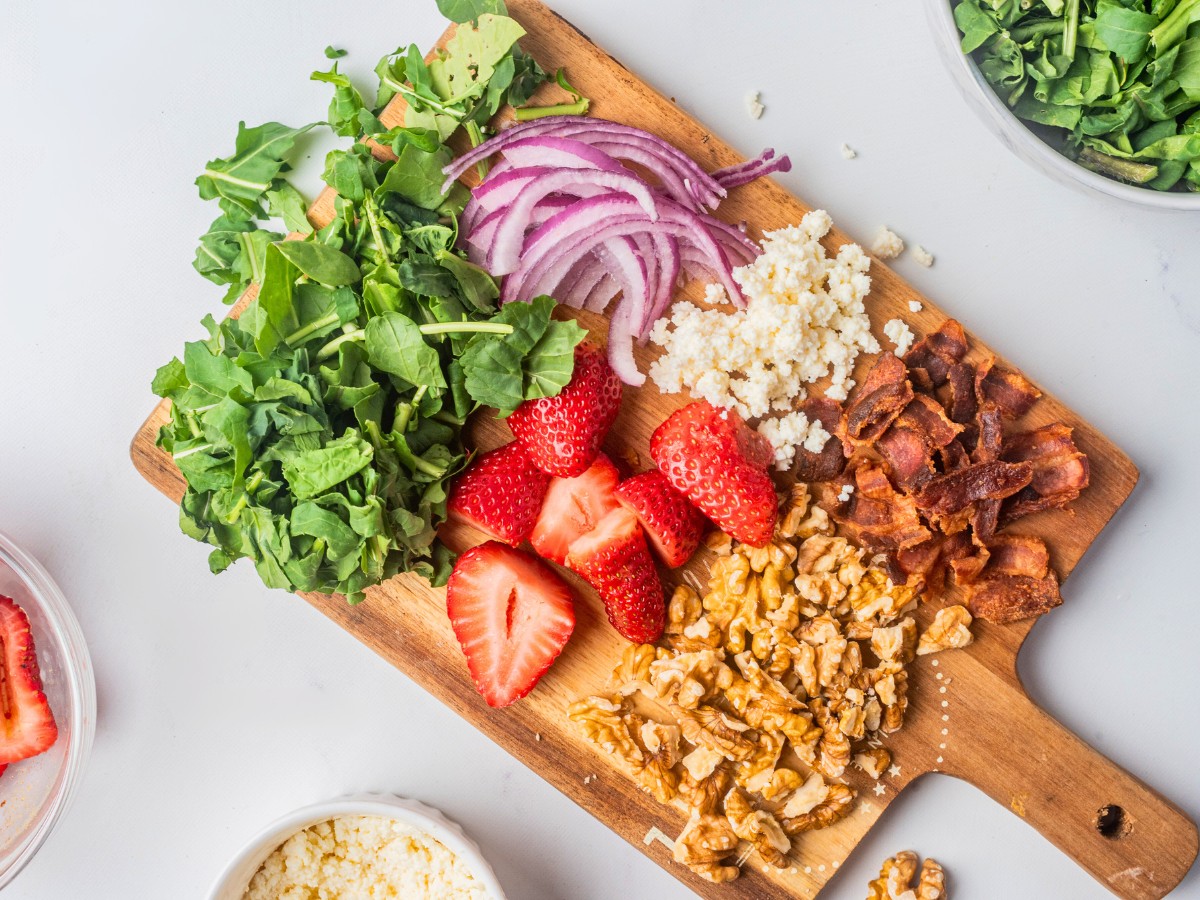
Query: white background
pixel 223 705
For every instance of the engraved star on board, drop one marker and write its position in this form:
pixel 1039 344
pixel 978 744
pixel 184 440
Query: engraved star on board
pixel 879 789
pixel 894 771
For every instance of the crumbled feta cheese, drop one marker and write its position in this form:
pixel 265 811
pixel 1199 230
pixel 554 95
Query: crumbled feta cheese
pixel 788 432
pixel 915 305
pixel 848 152
pixel 363 856
pixel 900 335
pixel 754 106
pixel 923 256
pixel 846 491
pixel 888 244
pixel 804 321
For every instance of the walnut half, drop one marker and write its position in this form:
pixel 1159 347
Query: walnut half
pixel 895 881
pixel 950 630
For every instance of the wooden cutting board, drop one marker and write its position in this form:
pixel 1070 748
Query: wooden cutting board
pixel 974 722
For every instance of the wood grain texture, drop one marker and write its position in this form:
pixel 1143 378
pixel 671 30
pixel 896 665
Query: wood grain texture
pixel 975 722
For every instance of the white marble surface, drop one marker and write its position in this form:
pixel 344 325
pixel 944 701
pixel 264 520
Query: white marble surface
pixel 223 705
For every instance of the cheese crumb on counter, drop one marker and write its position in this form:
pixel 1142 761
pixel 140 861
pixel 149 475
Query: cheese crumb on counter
pixel 888 244
pixel 848 152
pixel 923 256
pixel 804 320
pixel 899 334
pixel 753 105
pixel 915 305
pixel 363 856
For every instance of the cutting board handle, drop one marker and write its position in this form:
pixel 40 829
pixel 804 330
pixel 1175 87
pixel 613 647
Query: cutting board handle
pixel 1130 838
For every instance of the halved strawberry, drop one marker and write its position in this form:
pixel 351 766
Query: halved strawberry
pixel 512 615
pixel 27 726
pixel 500 493
pixel 573 506
pixel 672 524
pixel 615 560
pixel 563 434
pixel 718 463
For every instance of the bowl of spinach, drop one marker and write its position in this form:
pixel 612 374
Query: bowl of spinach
pixel 1099 93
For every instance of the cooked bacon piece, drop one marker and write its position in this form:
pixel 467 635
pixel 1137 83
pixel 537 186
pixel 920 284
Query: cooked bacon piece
pixel 985 519
pixel 961 400
pixel 1060 469
pixel 955 491
pixel 908 446
pixel 954 456
pixel 1018 554
pixel 876 516
pixel 883 394
pixel 965 557
pixel 921 381
pixel 827 464
pixel 908 455
pixel 990 434
pixel 938 351
pixel 1008 598
pixel 1009 390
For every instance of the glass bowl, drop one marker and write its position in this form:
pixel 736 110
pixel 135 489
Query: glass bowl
pixel 35 793
pixel 1016 135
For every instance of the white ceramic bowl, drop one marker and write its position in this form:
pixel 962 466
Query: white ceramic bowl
pixel 35 793
pixel 231 885
pixel 1014 133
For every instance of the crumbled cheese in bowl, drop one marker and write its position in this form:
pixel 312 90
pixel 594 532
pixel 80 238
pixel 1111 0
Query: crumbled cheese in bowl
pixel 364 857
pixel 804 320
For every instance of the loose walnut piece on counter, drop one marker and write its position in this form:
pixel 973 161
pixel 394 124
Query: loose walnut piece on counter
pixel 790 666
pixel 895 881
pixel 950 630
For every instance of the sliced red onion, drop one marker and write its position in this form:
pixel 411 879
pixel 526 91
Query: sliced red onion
pixel 630 269
pixel 479 240
pixel 559 153
pixel 507 243
pixel 656 155
pixel 763 164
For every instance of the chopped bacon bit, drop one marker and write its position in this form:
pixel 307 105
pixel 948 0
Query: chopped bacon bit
pixel 955 491
pixel 1009 598
pixel 954 456
pixel 884 393
pixel 985 519
pixel 1009 390
pixel 938 352
pixel 1018 554
pixel 879 518
pixel 907 454
pixel 991 434
pixel 962 400
pixel 827 464
pixel 1060 469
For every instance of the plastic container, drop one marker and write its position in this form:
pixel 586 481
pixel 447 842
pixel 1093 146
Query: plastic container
pixel 1016 135
pixel 35 793
pixel 232 883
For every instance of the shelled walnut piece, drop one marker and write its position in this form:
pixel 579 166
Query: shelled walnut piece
pixel 895 881
pixel 789 667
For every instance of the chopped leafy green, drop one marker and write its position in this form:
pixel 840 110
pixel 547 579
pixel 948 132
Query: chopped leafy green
pixel 332 52
pixel 1113 83
pixel 318 432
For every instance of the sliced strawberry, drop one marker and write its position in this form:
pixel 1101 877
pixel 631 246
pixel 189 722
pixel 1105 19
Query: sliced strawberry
pixel 500 493
pixel 711 457
pixel 615 560
pixel 512 615
pixel 26 725
pixel 563 434
pixel 672 524
pixel 572 508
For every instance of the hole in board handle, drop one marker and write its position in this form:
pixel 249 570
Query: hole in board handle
pixel 1111 822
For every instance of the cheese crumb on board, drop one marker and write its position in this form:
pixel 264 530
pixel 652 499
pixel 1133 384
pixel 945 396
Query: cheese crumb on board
pixel 899 334
pixel 790 431
pixel 804 320
pixel 915 305
pixel 888 244
pixel 923 256
pixel 753 105
pixel 363 856
pixel 848 152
